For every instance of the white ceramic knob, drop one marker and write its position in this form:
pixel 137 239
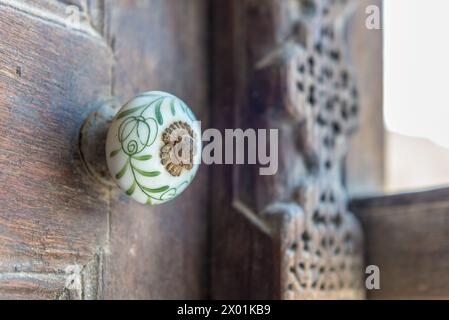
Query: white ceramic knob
pixel 153 147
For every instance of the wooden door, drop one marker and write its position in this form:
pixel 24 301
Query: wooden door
pixel 263 64
pixel 63 235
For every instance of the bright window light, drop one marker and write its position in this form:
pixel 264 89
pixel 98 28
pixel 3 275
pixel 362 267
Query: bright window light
pixel 416 92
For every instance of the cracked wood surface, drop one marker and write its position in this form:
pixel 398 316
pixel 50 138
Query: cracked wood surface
pixel 62 235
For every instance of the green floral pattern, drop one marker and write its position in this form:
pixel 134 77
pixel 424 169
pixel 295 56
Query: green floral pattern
pixel 137 133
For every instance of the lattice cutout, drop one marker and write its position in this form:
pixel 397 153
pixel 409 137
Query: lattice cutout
pixel 324 258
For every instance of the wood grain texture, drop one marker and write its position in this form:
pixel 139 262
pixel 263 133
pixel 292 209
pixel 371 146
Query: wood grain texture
pixel 242 267
pixel 160 252
pixel 85 16
pixel 407 236
pixel 64 235
pixel 52 217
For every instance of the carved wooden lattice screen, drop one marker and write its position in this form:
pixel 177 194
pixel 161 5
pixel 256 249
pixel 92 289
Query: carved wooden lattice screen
pixel 284 65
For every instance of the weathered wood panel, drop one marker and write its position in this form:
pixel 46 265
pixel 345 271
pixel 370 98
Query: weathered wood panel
pixel 236 269
pixel 57 225
pixel 85 16
pixel 407 237
pixel 160 252
pixel 53 220
pixel 365 164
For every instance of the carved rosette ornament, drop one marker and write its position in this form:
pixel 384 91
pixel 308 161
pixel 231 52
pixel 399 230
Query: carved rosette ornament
pixel 179 149
pixel 320 240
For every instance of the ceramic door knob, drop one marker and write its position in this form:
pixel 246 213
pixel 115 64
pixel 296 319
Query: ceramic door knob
pixel 153 147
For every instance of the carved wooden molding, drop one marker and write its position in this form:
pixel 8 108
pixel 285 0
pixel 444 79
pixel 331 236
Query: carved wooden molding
pixel 324 257
pixel 75 282
pixel 90 13
pixel 289 70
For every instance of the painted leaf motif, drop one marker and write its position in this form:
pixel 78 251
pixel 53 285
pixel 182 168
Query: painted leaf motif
pixel 143 158
pixel 147 173
pixel 153 127
pixel 172 107
pixel 114 153
pixel 131 189
pixel 126 128
pixel 187 111
pixel 157 190
pixel 143 132
pixel 130 111
pixel 122 172
pixel 158 113
pixel 146 94
pixel 149 201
